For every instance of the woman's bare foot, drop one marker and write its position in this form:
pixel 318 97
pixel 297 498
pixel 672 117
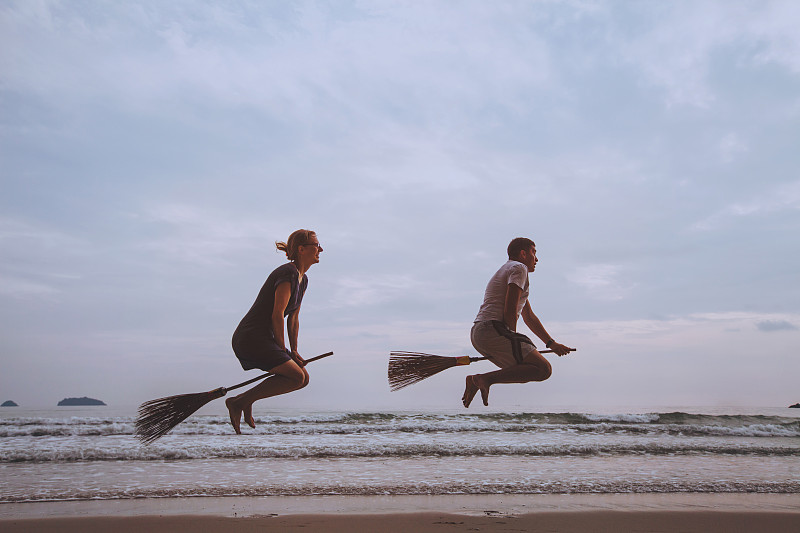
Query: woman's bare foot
pixel 248 416
pixel 469 392
pixel 235 413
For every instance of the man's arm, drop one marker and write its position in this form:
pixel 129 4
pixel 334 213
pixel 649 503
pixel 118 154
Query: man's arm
pixel 513 294
pixel 535 325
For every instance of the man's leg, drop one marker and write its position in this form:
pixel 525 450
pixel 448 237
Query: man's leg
pixel 534 368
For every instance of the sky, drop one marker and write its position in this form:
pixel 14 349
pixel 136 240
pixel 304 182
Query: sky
pixel 151 153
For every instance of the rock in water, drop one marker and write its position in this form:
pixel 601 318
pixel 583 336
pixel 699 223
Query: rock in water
pixel 9 403
pixel 80 401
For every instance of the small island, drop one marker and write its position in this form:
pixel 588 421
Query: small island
pixel 9 403
pixel 795 406
pixel 80 401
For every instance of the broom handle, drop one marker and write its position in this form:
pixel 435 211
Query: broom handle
pixel 249 381
pixel 473 359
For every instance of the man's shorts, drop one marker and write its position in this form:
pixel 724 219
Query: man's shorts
pixel 500 345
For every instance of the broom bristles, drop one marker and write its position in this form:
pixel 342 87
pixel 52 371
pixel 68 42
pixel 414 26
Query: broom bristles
pixel 407 368
pixel 157 417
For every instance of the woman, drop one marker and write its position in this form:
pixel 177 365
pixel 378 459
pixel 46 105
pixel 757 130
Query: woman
pixel 259 342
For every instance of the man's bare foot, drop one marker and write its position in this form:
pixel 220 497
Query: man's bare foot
pixel 480 382
pixel 248 416
pixel 469 392
pixel 235 413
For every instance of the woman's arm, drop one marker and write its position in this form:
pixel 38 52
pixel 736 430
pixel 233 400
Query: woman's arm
pixel 293 324
pixel 282 294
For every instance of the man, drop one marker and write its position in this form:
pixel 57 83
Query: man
pixel 494 333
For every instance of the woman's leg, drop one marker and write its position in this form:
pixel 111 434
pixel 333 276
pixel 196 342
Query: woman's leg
pixel 289 376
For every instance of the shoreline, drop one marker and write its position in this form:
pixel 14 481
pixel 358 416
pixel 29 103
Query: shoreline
pixel 561 513
pixel 461 504
pixel 558 522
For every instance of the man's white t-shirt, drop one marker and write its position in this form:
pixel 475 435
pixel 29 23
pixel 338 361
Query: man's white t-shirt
pixel 495 296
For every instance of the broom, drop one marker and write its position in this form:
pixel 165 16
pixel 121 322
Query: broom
pixel 407 368
pixel 157 417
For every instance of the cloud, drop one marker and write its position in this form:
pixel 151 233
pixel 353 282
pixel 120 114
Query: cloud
pixel 155 151
pixel 675 45
pixel 202 235
pixel 775 325
pixel 310 63
pixel 731 146
pixel 23 288
pixel 601 281
pixel 781 197
pixel 689 332
pixel 373 290
pixel 36 260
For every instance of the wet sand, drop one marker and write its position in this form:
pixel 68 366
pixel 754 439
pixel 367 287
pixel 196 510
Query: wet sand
pixel 580 521
pixel 709 513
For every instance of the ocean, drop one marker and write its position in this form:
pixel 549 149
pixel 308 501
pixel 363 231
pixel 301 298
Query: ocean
pixel 69 454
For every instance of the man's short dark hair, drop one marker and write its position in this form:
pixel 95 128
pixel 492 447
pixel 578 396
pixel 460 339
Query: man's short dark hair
pixel 517 245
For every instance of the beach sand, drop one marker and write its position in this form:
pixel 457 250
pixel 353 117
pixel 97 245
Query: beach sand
pixel 563 522
pixel 708 513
